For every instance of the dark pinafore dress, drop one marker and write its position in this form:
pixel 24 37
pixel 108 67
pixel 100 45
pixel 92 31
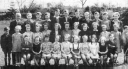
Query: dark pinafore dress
pixel 76 51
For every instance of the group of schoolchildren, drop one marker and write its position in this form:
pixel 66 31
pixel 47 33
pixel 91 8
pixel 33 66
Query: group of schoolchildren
pixel 64 40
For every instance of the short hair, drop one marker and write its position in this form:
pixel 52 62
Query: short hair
pixel 29 13
pixel 18 14
pixel 38 13
pixel 18 27
pixel 38 38
pixel 6 28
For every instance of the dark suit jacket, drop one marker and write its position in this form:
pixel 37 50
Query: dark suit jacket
pixel 63 19
pixel 74 19
pixel 6 42
pixel 54 20
pixel 53 35
pixel 12 27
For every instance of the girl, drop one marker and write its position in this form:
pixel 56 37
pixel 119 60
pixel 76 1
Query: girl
pixel 94 49
pixel 16 45
pixel 76 31
pixel 103 49
pixel 65 48
pixel 84 49
pixel 28 32
pixel 95 29
pixel 66 31
pixel 104 32
pixel 46 49
pixel 46 30
pixel 37 32
pixel 84 31
pixel 56 49
pixel 75 49
pixel 36 50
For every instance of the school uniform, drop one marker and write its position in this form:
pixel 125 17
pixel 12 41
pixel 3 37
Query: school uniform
pixel 6 45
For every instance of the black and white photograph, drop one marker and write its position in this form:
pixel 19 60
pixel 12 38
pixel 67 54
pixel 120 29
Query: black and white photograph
pixel 63 34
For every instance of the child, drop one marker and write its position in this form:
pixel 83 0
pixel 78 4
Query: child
pixel 16 45
pixel 117 35
pixel 6 45
pixel 65 48
pixel 36 50
pixel 84 31
pixel 46 30
pixel 104 32
pixel 103 49
pixel 112 49
pixel 46 49
pixel 66 31
pixel 28 33
pixel 75 50
pixel 38 19
pixel 56 49
pixel 94 49
pixel 48 20
pixel 26 50
pixel 29 21
pixel 76 31
pixel 95 29
pixel 116 20
pixel 37 32
pixel 84 49
pixel 105 21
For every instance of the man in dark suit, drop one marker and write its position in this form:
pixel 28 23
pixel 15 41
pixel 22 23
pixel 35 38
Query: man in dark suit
pixel 64 19
pixel 56 18
pixel 76 18
pixel 16 22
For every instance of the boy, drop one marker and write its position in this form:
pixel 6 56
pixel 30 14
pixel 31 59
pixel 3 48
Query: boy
pixel 28 21
pixel 6 44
